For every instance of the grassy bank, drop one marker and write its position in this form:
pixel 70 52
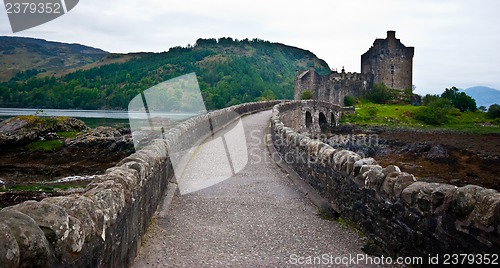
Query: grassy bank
pixel 403 116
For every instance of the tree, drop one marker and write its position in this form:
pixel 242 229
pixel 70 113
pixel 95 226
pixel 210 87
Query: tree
pixel 306 95
pixel 267 95
pixel 381 94
pixel 460 100
pixel 493 111
pixel 349 101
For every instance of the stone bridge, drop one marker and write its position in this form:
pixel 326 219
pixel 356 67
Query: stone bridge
pixel 264 215
pixel 316 116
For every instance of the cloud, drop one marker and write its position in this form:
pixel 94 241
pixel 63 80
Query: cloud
pixel 455 40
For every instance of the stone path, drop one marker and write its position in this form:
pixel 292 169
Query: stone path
pixel 256 218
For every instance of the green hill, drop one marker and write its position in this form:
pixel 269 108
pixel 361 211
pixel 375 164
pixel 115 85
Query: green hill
pixel 36 55
pixel 229 72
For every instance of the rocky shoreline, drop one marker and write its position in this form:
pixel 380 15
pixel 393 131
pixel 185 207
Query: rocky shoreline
pixel 40 150
pixel 432 156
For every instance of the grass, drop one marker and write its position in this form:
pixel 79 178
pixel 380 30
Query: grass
pixel 42 188
pixel 68 134
pixel 325 214
pixel 47 146
pixel 107 122
pixel 401 116
pixel 349 225
pixel 43 120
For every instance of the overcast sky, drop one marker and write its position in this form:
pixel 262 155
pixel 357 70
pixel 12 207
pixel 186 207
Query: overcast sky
pixel 456 42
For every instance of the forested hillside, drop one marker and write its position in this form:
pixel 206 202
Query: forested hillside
pixel 37 55
pixel 229 72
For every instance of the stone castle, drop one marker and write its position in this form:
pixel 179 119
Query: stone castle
pixel 388 61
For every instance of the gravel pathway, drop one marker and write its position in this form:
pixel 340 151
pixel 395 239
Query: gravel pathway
pixel 256 218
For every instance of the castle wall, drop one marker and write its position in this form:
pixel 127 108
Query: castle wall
pixel 340 85
pixel 333 87
pixel 309 80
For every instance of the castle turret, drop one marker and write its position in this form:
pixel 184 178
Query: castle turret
pixel 389 62
pixel 391 39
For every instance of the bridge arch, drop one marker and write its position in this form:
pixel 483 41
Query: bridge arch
pixel 323 121
pixel 317 116
pixel 308 120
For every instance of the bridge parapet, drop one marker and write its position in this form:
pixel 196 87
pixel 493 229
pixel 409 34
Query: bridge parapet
pixel 103 226
pixel 403 216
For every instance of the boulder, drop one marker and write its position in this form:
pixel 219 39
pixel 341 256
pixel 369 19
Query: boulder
pixel 389 181
pixel 64 233
pixel 83 209
pixel 358 164
pixel 438 153
pixel 487 211
pixel 21 130
pixel 34 249
pixel 372 176
pixel 9 250
pixel 464 200
pixel 403 180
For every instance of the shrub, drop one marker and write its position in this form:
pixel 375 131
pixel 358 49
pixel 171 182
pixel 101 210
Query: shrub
pixel 306 95
pixel 349 101
pixel 436 112
pixel 372 112
pixel 431 116
pixel 381 94
pixel 428 99
pixel 493 111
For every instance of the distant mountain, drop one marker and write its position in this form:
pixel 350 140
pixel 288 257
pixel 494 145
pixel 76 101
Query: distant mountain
pixel 229 72
pixel 484 96
pixel 22 54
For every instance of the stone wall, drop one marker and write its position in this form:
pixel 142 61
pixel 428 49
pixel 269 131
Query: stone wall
pixel 404 217
pixel 103 226
pixel 332 87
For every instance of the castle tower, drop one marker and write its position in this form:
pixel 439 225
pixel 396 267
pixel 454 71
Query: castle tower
pixel 389 62
pixel 308 80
